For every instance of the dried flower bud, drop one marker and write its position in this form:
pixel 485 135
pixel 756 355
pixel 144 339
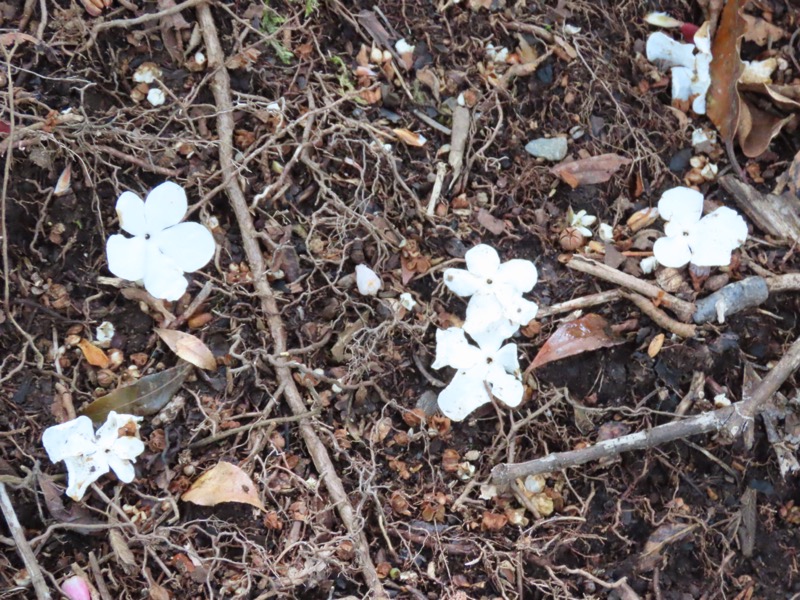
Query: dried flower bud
pixel 571 239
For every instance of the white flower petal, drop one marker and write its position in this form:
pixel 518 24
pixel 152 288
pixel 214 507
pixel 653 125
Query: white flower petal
pixel 165 206
pixel 83 471
pixel 367 281
pixel 518 273
pixel 68 439
pixel 128 447
pixel 662 47
pixel 519 310
pixel 681 83
pixel 123 468
pixel 461 282
pixel 648 264
pixel 453 350
pixel 709 252
pixel 127 257
pixel 163 278
pixel 725 225
pixel 108 433
pixel 681 203
pixel 661 19
pixel 130 211
pixel 702 38
pixel 465 393
pixel 507 358
pixel 482 261
pixel 190 245
pixel 506 388
pixel 492 334
pixel 672 251
pixel 482 311
pixel 584 231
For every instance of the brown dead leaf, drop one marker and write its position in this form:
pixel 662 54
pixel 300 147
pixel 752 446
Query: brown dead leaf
pixel 757 128
pixel 189 348
pixel 493 224
pixel 660 539
pixel 726 68
pixel 93 355
pixel 223 483
pixel 492 521
pixel 409 138
pixel 7 39
pixel 590 332
pixel 588 171
pixel 761 32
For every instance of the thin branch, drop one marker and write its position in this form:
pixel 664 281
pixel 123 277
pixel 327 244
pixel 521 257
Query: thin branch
pixel 220 87
pixel 23 548
pixel 684 330
pixel 684 310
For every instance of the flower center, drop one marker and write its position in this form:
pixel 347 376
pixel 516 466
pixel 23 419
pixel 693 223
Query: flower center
pixel 147 236
pixel 489 281
pixel 489 360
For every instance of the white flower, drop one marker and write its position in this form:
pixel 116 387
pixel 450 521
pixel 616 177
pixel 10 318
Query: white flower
pixel 496 289
pixel 498 54
pixel 690 72
pixel 606 232
pixel 581 221
pixel 89 456
pixel 484 371
pixel 407 301
pixel 162 249
pixel 705 242
pixel 156 97
pixel 367 281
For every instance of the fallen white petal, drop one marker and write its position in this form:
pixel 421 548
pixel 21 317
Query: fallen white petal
pixel 163 278
pixel 465 393
pixel 126 256
pixel 147 72
pixel 156 97
pixel 518 273
pixel 189 244
pixel 454 350
pixel 506 388
pixel 68 439
pixel 702 38
pixel 648 264
pixel 165 206
pixel 482 311
pixel 407 301
pixel 661 19
pixel 507 358
pixel 606 232
pixel 681 203
pixel 662 47
pixel 130 211
pixel 367 281
pixel 672 251
pixel 758 71
pixel 487 329
pixel 403 47
pixel 519 310
pixel 681 83
pixel 482 260
pixel 461 282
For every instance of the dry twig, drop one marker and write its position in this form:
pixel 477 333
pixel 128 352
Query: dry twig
pixel 220 86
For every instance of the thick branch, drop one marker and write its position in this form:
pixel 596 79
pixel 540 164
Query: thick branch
pixel 220 86
pixel 731 420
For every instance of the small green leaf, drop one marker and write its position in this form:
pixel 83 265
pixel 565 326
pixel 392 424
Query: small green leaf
pixel 145 397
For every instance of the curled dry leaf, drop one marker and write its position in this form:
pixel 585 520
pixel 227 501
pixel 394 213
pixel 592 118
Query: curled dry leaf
pixel 145 397
pixel 590 332
pixel 93 355
pixel 726 68
pixel 409 138
pixel 223 483
pixel 492 521
pixel 189 348
pixel 63 183
pixel 588 171
pixel 659 540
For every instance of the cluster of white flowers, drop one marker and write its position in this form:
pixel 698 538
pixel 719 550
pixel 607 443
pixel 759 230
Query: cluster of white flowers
pixel 691 238
pixel 89 455
pixel 495 312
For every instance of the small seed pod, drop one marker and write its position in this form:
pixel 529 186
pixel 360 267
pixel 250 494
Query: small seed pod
pixel 571 239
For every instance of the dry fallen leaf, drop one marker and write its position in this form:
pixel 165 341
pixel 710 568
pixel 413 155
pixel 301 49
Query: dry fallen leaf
pixel 493 224
pixel 410 138
pixel 761 32
pixel 223 483
pixel 659 540
pixel 63 183
pixel 590 332
pixel 492 521
pixel 726 67
pixel 757 128
pixel 189 348
pixel 94 355
pixel 588 171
